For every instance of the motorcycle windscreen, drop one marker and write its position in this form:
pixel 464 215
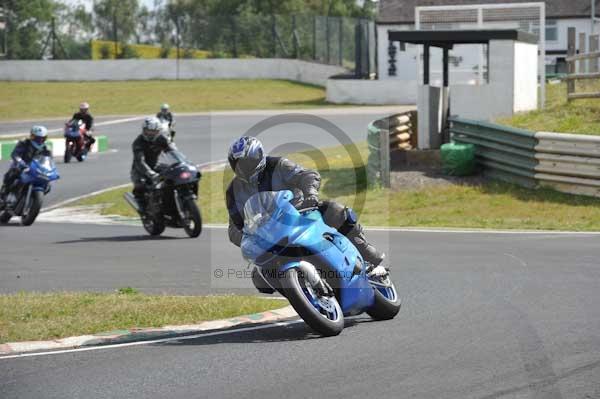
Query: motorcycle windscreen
pixel 42 169
pixel 169 158
pixel 264 226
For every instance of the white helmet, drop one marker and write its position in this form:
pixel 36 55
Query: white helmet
pixel 151 128
pixel 38 136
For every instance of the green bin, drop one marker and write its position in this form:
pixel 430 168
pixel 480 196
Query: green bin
pixel 458 159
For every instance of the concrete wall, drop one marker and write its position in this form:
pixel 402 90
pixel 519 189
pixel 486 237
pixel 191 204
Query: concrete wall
pixel 380 92
pixel 301 71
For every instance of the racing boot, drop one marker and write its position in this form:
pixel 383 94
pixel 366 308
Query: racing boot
pixel 259 282
pixel 3 194
pixel 141 201
pixel 369 253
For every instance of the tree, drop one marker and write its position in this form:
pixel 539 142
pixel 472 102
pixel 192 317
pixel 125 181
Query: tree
pixel 27 27
pixel 116 19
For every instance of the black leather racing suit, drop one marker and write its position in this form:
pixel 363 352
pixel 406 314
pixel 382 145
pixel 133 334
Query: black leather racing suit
pixel 145 157
pixel 283 174
pixel 168 116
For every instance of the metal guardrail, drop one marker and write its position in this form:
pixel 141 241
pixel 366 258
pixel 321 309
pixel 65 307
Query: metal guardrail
pixel 566 162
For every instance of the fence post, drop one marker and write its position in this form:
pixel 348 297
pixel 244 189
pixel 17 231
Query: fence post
pixel 593 63
pixel 571 64
pixel 582 43
pixel 384 153
pixel 328 40
pixel 341 41
pixel 295 37
pixel 314 37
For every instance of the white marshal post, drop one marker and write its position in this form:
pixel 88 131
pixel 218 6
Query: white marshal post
pixel 529 17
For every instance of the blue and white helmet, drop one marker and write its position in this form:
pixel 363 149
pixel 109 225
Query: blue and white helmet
pixel 247 158
pixel 38 136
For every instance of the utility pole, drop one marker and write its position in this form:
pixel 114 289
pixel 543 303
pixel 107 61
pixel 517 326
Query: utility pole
pixel 52 36
pixel 178 43
pixel 3 25
pixel 115 37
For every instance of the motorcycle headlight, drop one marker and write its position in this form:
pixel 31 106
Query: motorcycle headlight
pixel 185 175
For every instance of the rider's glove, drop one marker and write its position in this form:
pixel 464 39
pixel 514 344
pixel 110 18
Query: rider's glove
pixel 21 164
pixel 154 178
pixel 311 201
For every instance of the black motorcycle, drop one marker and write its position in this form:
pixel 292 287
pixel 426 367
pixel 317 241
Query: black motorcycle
pixel 172 201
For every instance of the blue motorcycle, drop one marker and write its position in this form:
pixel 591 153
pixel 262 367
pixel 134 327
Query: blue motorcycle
pixel 316 268
pixel 26 195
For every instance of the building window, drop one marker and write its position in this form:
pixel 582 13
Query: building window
pixel 551 31
pixel 534 28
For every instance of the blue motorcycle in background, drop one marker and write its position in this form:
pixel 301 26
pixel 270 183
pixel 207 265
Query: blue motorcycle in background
pixel 26 195
pixel 316 268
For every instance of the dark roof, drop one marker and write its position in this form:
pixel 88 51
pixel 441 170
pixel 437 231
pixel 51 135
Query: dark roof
pixel 403 11
pixel 448 38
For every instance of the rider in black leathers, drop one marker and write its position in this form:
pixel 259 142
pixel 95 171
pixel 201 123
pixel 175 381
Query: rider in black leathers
pixel 22 155
pixel 87 119
pixel 147 147
pixel 167 115
pixel 256 172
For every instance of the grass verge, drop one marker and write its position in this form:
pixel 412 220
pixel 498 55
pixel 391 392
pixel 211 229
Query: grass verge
pixel 490 205
pixel 579 116
pixel 36 316
pixel 27 100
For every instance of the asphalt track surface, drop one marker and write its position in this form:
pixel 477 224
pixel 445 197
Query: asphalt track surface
pixel 203 138
pixel 484 315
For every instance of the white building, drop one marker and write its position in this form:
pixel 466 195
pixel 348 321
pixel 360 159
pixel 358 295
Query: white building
pixel 397 68
pixel 400 15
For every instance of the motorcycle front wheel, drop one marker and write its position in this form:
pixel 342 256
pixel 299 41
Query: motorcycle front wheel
pixel 31 212
pixel 68 151
pixel 192 223
pixel 387 302
pixel 154 226
pixel 5 217
pixel 322 314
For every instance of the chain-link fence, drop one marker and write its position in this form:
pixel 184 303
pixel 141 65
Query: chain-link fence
pixel 326 39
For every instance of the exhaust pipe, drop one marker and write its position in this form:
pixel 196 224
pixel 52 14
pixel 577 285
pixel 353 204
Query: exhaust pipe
pixel 132 201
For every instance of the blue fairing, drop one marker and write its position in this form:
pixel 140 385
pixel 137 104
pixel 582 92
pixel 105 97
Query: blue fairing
pixel 40 173
pixel 334 254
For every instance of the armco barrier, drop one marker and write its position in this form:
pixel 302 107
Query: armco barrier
pixel 566 162
pixel 56 146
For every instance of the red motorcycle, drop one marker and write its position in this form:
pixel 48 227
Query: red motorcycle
pixel 77 142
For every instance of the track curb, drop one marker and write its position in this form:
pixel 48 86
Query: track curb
pixel 146 334
pixel 55 145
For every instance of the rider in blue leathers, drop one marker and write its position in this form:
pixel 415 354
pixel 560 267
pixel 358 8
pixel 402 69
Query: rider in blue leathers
pixel 256 172
pixel 22 155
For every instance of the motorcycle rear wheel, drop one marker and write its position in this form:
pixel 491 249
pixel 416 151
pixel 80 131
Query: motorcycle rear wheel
pixel 326 322
pixel 30 214
pixel 193 223
pixel 153 226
